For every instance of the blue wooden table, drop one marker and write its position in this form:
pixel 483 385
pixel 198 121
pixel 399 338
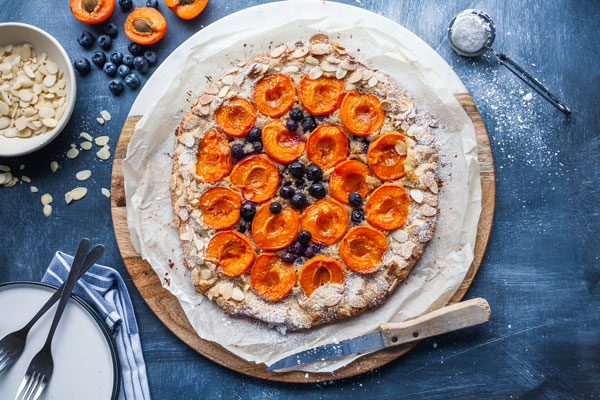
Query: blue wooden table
pixel 541 272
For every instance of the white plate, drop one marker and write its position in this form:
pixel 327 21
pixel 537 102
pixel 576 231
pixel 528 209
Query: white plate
pixel 85 360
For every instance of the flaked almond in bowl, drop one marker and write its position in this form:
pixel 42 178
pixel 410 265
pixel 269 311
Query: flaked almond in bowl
pixel 37 89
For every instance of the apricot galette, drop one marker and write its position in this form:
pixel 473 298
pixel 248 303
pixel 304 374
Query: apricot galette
pixel 304 186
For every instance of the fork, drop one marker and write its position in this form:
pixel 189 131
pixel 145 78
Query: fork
pixel 41 367
pixel 12 345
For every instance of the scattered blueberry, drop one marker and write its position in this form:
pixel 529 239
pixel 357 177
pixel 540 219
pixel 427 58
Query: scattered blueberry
pixel 110 69
pixel 314 173
pixel 355 199
pixel 152 3
pixel 254 135
pixel 258 147
pixel 116 57
pixel 111 29
pixel 275 207
pixel 309 124
pixel 237 151
pixel 83 66
pixel 296 114
pixel 309 252
pixel 123 71
pixel 116 87
pixel 248 211
pixel 357 216
pixel 296 248
pixel 86 39
pixel 151 57
pixel 287 192
pixel 317 190
pixel 299 201
pixel 304 237
pixel 135 48
pixel 287 257
pixel 291 125
pixel 132 80
pixel 99 58
pixel 297 169
pixel 141 64
pixel 126 5
pixel 242 228
pixel 128 60
pixel 366 147
pixel 105 42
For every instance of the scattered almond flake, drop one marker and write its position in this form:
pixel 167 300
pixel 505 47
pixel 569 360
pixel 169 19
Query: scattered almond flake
pixel 106 115
pixel 86 145
pixel 33 189
pixel 417 195
pixel 12 182
pixel 103 153
pixel 22 167
pixel 100 121
pixel 78 193
pixel 4 168
pixel 86 136
pixel 25 178
pixel 46 198
pixel 528 96
pixel 237 294
pixel 83 175
pixel 53 166
pixel 105 192
pixel 72 153
pixel 47 210
pixel 101 140
pixel 5 178
pixel 68 197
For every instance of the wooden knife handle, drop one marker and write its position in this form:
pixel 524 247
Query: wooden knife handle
pixel 451 318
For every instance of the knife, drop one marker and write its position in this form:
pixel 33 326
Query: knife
pixel 448 319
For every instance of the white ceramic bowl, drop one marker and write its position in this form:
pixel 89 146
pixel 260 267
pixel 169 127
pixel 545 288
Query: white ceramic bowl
pixel 42 42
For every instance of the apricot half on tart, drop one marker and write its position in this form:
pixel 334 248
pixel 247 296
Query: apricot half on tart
pixel 386 156
pixel 236 117
pixel 231 251
pixel 326 146
pixel 275 231
pixel 92 11
pixel 282 145
pixel 318 271
pixel 145 25
pixel 387 207
pixel 186 9
pixel 362 249
pixel 220 207
pixel 326 220
pixel 274 95
pixel 213 161
pixel 349 176
pixel 321 96
pixel 256 176
pixel 361 113
pixel 272 278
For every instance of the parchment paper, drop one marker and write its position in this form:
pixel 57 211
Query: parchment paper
pixel 147 169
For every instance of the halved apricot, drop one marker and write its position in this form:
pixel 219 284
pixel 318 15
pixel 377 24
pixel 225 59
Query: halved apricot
pixel 275 231
pixel 231 251
pixel 213 161
pixel 326 220
pixel 274 95
pixel 256 176
pixel 387 207
pixel 220 207
pixel 272 278
pixel 321 96
pixel 186 9
pixel 347 177
pixel 282 145
pixel 92 11
pixel 145 25
pixel 362 249
pixel 318 271
pixel 384 156
pixel 236 117
pixel 327 145
pixel 361 113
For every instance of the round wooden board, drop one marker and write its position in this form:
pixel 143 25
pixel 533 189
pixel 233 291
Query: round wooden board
pixel 167 308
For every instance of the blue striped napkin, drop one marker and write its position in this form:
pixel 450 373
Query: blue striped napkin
pixel 103 288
